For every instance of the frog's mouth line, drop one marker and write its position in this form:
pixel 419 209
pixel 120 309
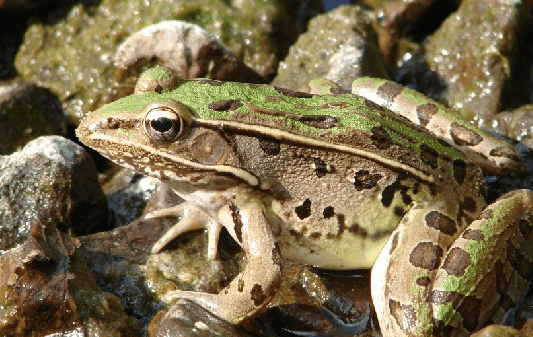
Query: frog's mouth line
pixel 105 146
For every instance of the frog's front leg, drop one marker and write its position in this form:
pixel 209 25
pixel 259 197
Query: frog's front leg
pixel 254 286
pixel 436 289
pixel 192 218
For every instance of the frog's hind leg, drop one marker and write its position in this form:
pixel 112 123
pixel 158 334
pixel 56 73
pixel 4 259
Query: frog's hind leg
pixel 426 282
pixel 488 270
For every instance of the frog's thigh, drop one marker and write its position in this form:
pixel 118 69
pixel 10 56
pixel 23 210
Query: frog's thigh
pixel 254 286
pixel 402 272
pixel 492 261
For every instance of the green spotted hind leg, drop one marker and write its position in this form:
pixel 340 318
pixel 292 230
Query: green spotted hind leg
pixel 488 270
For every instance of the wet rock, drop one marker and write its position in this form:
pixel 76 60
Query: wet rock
pixel 52 180
pixel 27 112
pixel 186 48
pixel 516 124
pixel 45 289
pixel 188 319
pixel 351 54
pixel 470 57
pixel 17 5
pixel 397 18
pixel 128 194
pixel 70 49
pixel 498 331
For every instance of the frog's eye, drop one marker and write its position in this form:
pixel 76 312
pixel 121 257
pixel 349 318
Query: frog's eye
pixel 163 124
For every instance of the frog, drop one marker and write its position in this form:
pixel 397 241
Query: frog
pixel 381 177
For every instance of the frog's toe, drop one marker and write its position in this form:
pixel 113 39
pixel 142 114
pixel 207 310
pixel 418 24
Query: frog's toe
pixel 193 218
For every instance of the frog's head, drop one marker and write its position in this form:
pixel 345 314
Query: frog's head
pixel 152 132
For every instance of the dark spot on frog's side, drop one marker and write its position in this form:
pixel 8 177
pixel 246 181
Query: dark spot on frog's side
pixel 328 212
pixel 269 146
pixel 380 138
pixel 240 285
pixel 364 180
pixel 304 210
pixel 321 168
pixel 387 196
pixel 225 105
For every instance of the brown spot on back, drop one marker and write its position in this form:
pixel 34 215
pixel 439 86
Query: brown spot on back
pixel 459 171
pixel 225 105
pixel 429 156
pixel 426 255
pixel 257 295
pixel 425 112
pixel 240 285
pixel 364 180
pixel 469 204
pixel 388 91
pixel 474 234
pixel 212 82
pixel 319 121
pixel 380 138
pixel 237 221
pixel 441 223
pixel 304 210
pixel 456 262
pixel 463 136
pixel 269 146
pixel 291 93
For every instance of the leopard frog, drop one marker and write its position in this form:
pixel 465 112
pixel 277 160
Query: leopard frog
pixel 336 181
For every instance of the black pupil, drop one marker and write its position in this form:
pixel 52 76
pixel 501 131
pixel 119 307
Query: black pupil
pixel 162 124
